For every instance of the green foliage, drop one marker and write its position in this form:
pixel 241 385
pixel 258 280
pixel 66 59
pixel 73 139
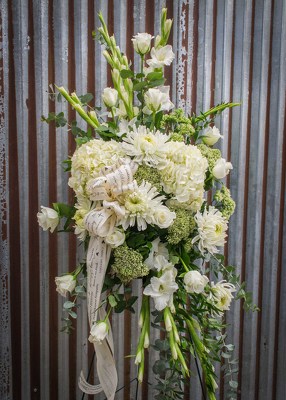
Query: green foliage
pixel 59 119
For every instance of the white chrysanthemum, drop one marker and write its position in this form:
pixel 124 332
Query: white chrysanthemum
pixel 140 206
pixel 83 206
pixel 183 174
pixel 89 159
pixel 221 294
pixel 146 146
pixel 162 289
pixel 212 227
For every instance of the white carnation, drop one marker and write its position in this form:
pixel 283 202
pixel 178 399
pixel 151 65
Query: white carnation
pixel 146 146
pixel 212 227
pixel 161 56
pixel 48 218
pixel 195 282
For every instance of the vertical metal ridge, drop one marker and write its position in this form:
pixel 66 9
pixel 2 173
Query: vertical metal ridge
pixel 195 55
pixel 53 244
pixel 263 217
pixel 34 277
pixel 72 238
pixel 14 221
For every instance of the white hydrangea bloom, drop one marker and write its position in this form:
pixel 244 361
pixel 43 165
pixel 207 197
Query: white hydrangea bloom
pixel 212 227
pixel 146 146
pixel 89 159
pixel 183 174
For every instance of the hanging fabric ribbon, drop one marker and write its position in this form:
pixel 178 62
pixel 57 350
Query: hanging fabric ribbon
pixel 100 223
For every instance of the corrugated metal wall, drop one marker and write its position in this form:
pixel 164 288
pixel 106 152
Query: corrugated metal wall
pixel 225 50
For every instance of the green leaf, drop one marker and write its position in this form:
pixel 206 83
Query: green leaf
pixel 68 304
pixel 73 314
pixel 157 82
pixel 233 384
pixel 126 73
pixel 139 86
pixel 85 98
pixel 154 76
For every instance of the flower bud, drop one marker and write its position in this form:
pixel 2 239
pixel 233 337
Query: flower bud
pixel 168 323
pixel 146 340
pixel 75 98
pixel 157 41
pixel 98 332
pixel 110 97
pixel 48 218
pixel 168 26
pixel 138 358
pixel 221 168
pixel 174 352
pixel 65 284
pixel 107 57
pixel 115 76
pixel 211 136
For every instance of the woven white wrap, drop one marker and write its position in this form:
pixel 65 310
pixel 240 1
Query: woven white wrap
pixel 100 223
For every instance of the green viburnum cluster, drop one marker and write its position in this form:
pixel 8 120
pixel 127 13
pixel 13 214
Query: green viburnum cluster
pixel 178 123
pixel 225 203
pixel 128 264
pixel 212 155
pixel 148 174
pixel 182 227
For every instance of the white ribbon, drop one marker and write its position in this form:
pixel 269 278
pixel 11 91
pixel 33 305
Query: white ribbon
pixel 100 223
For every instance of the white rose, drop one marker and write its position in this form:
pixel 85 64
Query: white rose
pixel 142 43
pixel 48 218
pixel 211 136
pixel 110 97
pixel 195 282
pixel 161 56
pixel 116 238
pixel 65 283
pixel 163 217
pixel 221 168
pixel 98 332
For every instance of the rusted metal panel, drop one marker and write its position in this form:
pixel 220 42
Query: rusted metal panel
pixel 225 50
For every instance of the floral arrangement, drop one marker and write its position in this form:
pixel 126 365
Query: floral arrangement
pixel 143 175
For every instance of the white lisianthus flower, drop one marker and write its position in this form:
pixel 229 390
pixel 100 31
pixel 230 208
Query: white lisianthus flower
pixel 142 43
pixel 48 218
pixel 158 249
pixel 146 146
pixel 221 168
pixel 212 228
pixel 65 284
pixel 98 332
pixel 157 99
pixel 116 238
pixel 195 282
pixel 140 205
pixel 110 97
pixel 221 294
pixel 161 56
pixel 162 289
pixel 211 135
